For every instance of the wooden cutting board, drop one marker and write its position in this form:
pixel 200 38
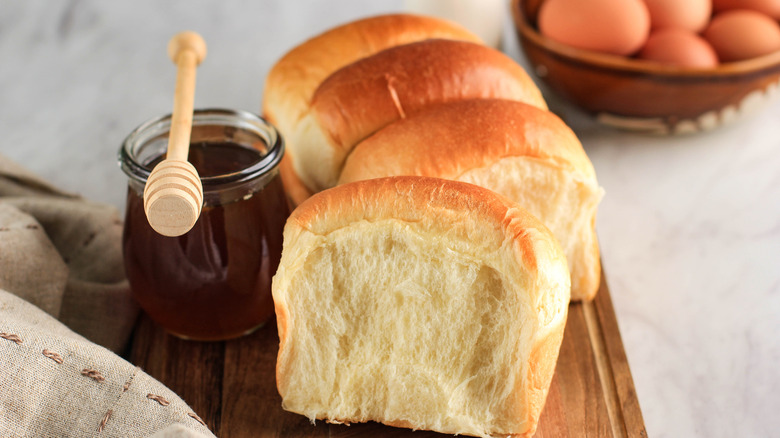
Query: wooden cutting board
pixel 231 384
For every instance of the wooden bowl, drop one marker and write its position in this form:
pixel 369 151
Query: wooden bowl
pixel 641 95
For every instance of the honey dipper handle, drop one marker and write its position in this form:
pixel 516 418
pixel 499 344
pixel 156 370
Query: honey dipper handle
pixel 173 196
pixel 187 50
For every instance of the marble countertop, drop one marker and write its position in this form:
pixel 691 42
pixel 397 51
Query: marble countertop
pixel 689 227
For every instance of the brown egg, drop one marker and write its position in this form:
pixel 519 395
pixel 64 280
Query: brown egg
pixel 679 47
pixel 619 27
pixel 769 7
pixel 692 15
pixel 742 34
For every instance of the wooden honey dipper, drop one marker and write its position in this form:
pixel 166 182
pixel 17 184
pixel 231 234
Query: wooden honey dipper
pixel 173 195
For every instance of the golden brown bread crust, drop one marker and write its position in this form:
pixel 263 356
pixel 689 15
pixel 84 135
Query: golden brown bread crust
pixel 395 83
pixel 415 199
pixel 373 92
pixel 281 328
pixel 292 81
pixel 448 140
pixel 295 188
pixel 455 210
pixel 540 375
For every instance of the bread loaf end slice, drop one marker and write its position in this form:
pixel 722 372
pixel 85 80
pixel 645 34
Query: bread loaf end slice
pixel 422 303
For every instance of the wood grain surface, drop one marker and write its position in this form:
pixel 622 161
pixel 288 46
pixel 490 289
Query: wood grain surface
pixel 231 385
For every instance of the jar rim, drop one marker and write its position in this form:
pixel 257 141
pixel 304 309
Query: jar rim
pixel 229 117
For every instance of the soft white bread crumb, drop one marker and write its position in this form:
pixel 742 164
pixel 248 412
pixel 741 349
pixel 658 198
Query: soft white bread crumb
pixel 524 153
pixel 421 303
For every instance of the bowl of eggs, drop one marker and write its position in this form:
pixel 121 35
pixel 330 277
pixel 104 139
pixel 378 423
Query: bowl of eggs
pixel 662 66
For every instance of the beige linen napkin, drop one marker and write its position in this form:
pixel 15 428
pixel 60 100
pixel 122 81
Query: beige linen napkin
pixel 63 254
pixel 55 383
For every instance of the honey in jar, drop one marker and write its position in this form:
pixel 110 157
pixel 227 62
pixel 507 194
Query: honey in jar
pixel 213 282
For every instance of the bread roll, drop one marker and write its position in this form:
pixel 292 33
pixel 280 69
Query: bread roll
pixel 291 82
pixel 522 152
pixel 422 303
pixel 375 91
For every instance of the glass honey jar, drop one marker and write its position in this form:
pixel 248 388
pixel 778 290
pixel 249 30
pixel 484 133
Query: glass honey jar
pixel 214 282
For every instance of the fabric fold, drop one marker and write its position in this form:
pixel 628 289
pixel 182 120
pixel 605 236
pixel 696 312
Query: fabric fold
pixel 63 254
pixel 57 383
